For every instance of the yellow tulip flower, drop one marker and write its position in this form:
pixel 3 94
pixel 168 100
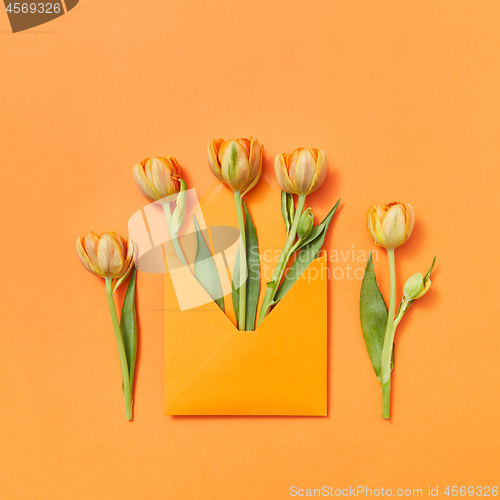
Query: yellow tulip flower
pixel 157 178
pixel 391 225
pixel 107 256
pixel 236 162
pixel 301 172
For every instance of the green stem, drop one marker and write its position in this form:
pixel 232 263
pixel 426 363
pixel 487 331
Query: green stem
pixel 127 389
pixel 173 238
pixel 388 340
pixel 272 287
pixel 243 263
pixel 398 319
pixel 386 399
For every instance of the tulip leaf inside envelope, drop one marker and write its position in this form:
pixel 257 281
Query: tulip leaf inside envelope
pixel 278 369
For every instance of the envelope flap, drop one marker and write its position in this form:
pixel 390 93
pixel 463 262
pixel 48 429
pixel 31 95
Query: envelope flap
pixel 287 330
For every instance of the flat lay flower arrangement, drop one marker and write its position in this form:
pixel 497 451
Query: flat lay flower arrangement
pixel 238 164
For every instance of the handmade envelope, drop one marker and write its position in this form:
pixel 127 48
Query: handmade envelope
pixel 211 368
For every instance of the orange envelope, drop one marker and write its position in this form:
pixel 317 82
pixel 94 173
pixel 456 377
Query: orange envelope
pixel 279 369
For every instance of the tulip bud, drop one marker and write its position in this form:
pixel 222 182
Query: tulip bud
pixel 157 178
pixel 415 287
pixel 301 172
pixel 107 256
pixel 391 225
pixel 306 224
pixel 236 162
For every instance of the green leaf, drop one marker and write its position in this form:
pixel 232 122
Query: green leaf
pixel 253 274
pixel 284 210
pixel 373 314
pixel 205 270
pixel 180 209
pixel 310 249
pixel 290 207
pixel 253 267
pixel 128 326
pixel 287 209
pixel 235 292
pixel 428 275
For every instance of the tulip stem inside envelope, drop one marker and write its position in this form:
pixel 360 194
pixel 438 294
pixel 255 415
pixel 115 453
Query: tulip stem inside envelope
pixel 212 368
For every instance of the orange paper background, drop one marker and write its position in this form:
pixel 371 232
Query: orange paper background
pixel 403 96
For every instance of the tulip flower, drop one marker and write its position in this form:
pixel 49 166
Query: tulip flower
pixel 301 172
pixel 157 178
pixel 111 257
pixel 108 256
pixel 391 225
pixel 238 164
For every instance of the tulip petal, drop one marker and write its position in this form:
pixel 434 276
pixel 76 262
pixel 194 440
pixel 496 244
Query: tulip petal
pixel 381 211
pixel 254 157
pixel 163 176
pixel 302 172
pixel 281 174
pixel 291 161
pixel 251 185
pixel 393 227
pixel 234 165
pixel 144 185
pixel 174 166
pixel 121 242
pixel 213 162
pixel 159 175
pixel 315 153
pixel 410 221
pixel 321 171
pixel 85 259
pixel 110 256
pixel 90 245
pixel 375 226
pixel 245 144
pixel 127 266
pixel 255 175
pixel 427 285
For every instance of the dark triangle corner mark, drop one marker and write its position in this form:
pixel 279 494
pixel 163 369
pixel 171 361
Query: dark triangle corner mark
pixel 70 4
